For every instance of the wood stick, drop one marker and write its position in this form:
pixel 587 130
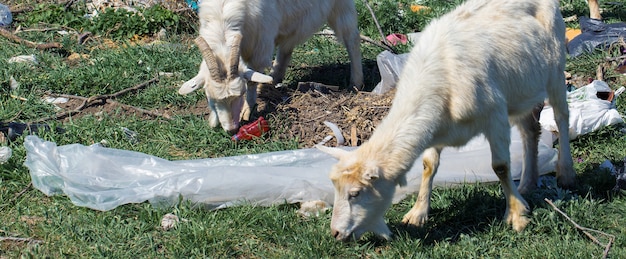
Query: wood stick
pixel 21 239
pixel 9 35
pixel 382 35
pixel 105 98
pixel 365 39
pixel 587 231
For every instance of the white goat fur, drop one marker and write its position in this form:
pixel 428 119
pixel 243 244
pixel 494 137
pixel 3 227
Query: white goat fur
pixel 264 26
pixel 474 71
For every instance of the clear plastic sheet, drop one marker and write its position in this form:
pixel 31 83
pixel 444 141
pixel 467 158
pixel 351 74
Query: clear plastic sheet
pixel 104 178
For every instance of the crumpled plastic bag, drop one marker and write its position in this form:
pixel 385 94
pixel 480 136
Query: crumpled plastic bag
pixel 587 112
pixel 595 34
pixel 389 65
pixel 103 178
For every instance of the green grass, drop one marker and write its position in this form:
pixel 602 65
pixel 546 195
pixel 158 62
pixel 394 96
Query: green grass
pixel 465 220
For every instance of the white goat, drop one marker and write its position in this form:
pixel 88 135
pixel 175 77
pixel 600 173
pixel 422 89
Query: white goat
pixel 242 34
pixel 474 71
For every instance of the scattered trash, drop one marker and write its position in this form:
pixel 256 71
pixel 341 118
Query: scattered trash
pixel 252 130
pixel 397 38
pixel 618 171
pixel 419 8
pixel 5 16
pixel 313 208
pixel 102 143
pixel 193 4
pixel 595 34
pixel 15 129
pixel 5 154
pixel 608 166
pixel 14 84
pixel 55 100
pixel 24 59
pixel 169 221
pixel 414 37
pixel 336 132
pixel 595 90
pixel 310 86
pixel 169 74
pixel 587 111
pixel 132 136
pixel 390 66
pixel 571 33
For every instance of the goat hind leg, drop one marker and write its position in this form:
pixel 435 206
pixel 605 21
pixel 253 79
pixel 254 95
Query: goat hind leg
pixel 530 131
pixel 249 107
pixel 565 174
pixel 344 22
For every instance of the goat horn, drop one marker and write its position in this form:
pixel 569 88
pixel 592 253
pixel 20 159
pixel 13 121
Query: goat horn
pixel 209 58
pixel 235 53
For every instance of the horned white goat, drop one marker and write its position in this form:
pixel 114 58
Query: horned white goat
pixel 474 71
pixel 238 37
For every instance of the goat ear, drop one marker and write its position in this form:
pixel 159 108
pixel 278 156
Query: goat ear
pixel 191 85
pixel 335 152
pixel 257 77
pixel 371 174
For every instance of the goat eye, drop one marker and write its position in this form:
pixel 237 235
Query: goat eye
pixel 353 194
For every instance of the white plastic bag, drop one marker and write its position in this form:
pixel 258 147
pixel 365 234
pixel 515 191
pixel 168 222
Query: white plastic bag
pixel 587 112
pixel 104 178
pixel 390 66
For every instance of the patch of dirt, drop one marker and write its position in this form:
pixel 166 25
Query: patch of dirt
pixel 303 114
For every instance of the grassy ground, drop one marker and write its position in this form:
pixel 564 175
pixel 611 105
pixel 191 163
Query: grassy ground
pixel 465 222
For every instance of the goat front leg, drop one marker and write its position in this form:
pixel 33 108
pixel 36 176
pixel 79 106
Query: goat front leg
pixel 516 206
pixel 418 215
pixel 249 106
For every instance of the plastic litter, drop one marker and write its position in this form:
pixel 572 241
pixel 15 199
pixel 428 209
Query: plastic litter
pixel 13 83
pixel 32 59
pixel 397 38
pixel 5 154
pixel 15 129
pixel 6 18
pixel 252 130
pixel 132 136
pixel 587 112
pixel 104 178
pixel 595 34
pixel 390 66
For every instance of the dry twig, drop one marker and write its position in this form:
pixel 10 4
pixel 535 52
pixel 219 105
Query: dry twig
pixel 105 98
pixel 365 39
pixel 21 239
pixel 615 58
pixel 382 35
pixel 21 192
pixel 43 46
pixel 588 231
